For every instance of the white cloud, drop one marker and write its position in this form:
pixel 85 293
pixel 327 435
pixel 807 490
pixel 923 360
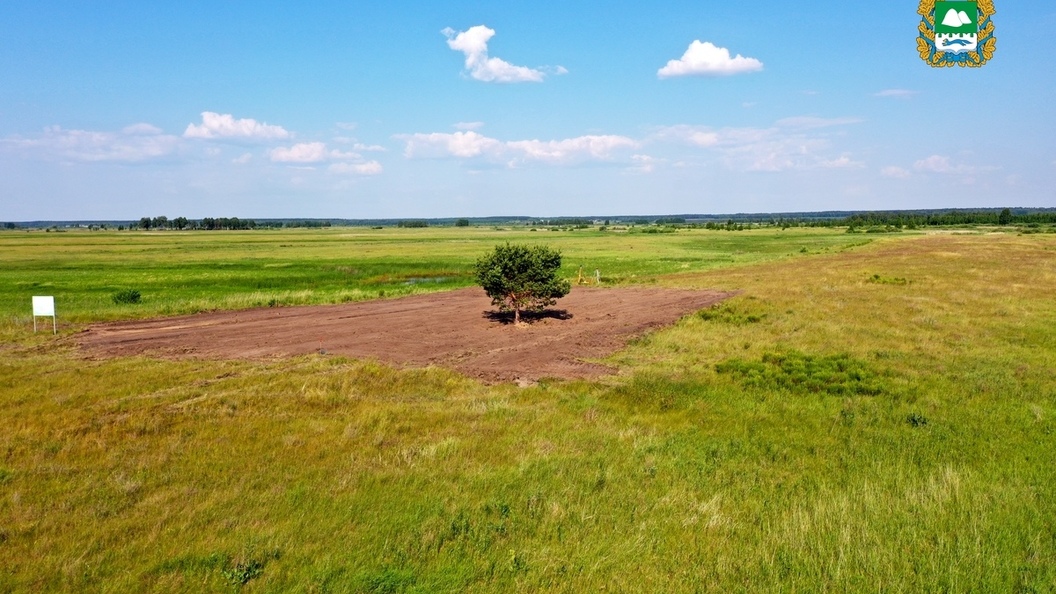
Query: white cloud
pixel 468 126
pixel 242 159
pixel 304 155
pixel 473 145
pixel 791 144
pixel 474 44
pixel 368 168
pixel 939 164
pixel 582 148
pixel 895 172
pixel 694 135
pixel 136 143
pixel 643 163
pixel 141 129
pixel 305 152
pixel 896 93
pixel 370 148
pixel 460 144
pixel 215 125
pixel 707 59
pixel 841 162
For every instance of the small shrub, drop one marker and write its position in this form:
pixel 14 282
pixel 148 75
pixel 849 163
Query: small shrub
pixel 241 573
pixel 917 420
pixel 727 314
pixel 128 296
pixel 881 280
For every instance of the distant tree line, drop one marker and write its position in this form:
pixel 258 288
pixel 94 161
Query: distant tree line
pixel 219 224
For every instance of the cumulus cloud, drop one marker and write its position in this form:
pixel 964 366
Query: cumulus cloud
pixel 308 154
pixel 473 145
pixel 707 59
pixel 225 126
pixel 895 93
pixel 135 143
pixel 582 148
pixel 459 144
pixel 242 159
pixel 468 126
pixel 474 44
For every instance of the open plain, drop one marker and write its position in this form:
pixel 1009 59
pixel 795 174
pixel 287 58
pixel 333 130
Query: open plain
pixel 865 413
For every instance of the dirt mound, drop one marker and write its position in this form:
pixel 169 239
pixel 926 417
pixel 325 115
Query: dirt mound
pixel 457 329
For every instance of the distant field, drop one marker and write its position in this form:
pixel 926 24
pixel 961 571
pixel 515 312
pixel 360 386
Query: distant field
pixel 186 272
pixel 869 414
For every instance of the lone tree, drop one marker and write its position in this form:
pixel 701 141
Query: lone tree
pixel 521 277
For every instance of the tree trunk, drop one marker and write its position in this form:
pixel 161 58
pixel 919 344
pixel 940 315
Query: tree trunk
pixel 516 316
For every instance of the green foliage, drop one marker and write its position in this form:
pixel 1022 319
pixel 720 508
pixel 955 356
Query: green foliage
pixel 876 279
pixel 126 296
pixel 462 223
pixel 1005 217
pixel 521 277
pixel 797 372
pixel 241 573
pixel 728 313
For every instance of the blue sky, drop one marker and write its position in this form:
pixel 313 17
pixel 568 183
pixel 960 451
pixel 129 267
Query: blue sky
pixel 119 110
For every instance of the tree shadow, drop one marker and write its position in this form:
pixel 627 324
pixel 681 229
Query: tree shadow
pixel 528 317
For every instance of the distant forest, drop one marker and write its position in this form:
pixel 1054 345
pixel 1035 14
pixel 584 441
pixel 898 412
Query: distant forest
pixel 890 220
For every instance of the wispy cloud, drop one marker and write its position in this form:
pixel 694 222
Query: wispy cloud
pixel 468 126
pixel 135 143
pixel 841 162
pixel 707 59
pixel 473 145
pixel 790 144
pixel 895 172
pixel 940 164
pixel 474 44
pixel 896 93
pixel 368 168
pixel 215 125
pixel 811 122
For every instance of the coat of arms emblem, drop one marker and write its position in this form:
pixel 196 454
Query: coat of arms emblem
pixel 956 33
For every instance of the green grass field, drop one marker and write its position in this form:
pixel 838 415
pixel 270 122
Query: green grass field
pixel 869 414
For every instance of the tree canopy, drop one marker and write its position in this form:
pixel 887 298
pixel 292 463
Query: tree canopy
pixel 521 277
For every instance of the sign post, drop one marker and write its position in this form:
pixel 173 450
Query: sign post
pixel 44 307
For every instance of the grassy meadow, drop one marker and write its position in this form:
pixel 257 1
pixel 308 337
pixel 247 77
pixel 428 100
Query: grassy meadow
pixel 870 413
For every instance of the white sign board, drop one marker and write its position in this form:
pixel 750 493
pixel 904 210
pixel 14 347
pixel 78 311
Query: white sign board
pixel 44 307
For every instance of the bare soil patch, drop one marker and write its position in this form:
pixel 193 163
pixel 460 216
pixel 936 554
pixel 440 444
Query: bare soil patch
pixel 457 329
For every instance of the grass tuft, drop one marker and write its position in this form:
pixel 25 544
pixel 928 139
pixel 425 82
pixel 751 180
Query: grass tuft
pixel 796 372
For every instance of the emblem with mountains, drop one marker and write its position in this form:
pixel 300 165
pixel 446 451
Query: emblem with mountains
pixel 956 33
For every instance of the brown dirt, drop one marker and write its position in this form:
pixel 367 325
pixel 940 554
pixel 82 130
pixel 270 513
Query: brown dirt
pixel 457 329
